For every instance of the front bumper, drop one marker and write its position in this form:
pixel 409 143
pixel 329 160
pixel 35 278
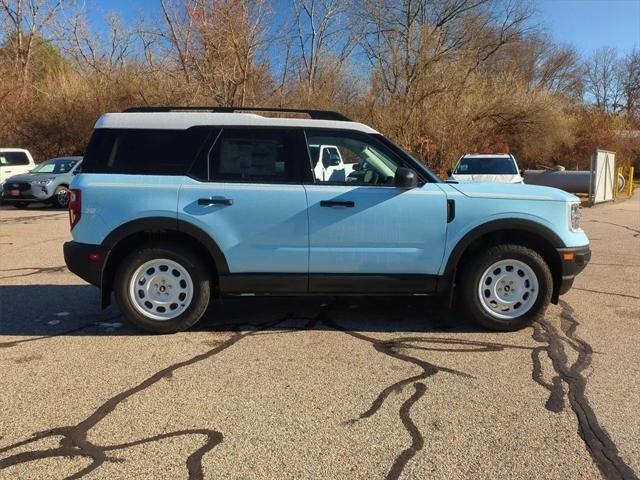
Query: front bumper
pixel 572 260
pixel 26 193
pixel 85 260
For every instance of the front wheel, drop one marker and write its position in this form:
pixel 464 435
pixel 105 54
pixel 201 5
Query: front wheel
pixel 61 197
pixel 506 287
pixel 162 287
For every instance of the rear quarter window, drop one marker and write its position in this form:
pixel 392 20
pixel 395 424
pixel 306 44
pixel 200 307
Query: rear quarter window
pixel 144 152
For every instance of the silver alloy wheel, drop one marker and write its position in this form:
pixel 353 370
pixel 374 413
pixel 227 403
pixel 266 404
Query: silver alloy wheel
pixel 161 289
pixel 62 197
pixel 508 289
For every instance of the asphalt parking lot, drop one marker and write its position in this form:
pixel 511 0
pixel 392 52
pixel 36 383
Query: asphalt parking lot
pixel 317 388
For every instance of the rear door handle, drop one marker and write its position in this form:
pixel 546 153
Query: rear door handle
pixel 337 203
pixel 215 201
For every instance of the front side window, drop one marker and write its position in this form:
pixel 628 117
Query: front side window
pixel 257 155
pixel 486 166
pixel 350 157
pixel 13 158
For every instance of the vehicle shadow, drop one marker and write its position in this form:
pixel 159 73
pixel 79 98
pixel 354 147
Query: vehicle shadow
pixel 54 310
pixel 34 207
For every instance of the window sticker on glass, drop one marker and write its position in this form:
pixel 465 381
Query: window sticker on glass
pixel 3 161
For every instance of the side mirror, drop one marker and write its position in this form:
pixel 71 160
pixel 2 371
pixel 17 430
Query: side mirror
pixel 405 178
pixel 449 172
pixel 522 172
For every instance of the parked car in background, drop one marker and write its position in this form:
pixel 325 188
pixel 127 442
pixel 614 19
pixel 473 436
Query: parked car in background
pixel 174 207
pixel 486 167
pixel 48 182
pixel 14 161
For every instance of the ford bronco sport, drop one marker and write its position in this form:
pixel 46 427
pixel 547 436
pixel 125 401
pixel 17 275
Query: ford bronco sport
pixel 177 205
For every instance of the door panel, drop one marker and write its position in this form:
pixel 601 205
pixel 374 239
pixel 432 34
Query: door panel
pixel 259 227
pixel 388 230
pixel 254 207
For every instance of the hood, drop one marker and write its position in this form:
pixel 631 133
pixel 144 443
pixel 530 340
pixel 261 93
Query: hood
pixel 513 192
pixel 29 177
pixel 515 178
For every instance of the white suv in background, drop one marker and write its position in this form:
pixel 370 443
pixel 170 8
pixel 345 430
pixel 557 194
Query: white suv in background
pixel 486 167
pixel 14 161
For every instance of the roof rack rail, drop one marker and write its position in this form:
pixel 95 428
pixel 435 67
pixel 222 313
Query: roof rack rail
pixel 314 114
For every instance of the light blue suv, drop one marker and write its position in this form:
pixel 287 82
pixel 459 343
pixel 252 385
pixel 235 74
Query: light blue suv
pixel 176 205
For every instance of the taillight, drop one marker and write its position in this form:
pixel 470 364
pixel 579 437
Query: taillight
pixel 75 206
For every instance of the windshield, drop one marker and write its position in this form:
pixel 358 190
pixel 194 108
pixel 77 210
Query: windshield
pixel 486 166
pixel 56 166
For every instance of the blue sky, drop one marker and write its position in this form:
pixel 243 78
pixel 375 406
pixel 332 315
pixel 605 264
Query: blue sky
pixel 590 24
pixel 585 24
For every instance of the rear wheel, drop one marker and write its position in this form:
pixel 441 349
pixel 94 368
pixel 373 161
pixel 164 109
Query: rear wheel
pixel 61 197
pixel 506 287
pixel 162 287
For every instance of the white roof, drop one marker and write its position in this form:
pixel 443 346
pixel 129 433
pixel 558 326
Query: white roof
pixel 184 120
pixel 472 155
pixel 13 150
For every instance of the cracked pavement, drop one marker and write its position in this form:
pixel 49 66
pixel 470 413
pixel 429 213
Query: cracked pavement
pixel 317 387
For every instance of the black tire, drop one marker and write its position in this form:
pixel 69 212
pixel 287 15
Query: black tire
pixel 20 205
pixel 194 266
pixel 61 197
pixel 472 274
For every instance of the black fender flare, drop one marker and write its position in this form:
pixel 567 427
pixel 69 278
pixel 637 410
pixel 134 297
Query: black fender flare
pixel 156 224
pixel 518 224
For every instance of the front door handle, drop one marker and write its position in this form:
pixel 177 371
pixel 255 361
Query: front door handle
pixel 215 201
pixel 337 203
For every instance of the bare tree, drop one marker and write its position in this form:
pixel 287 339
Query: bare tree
pixel 180 22
pixel 103 54
pixel 323 41
pixel 421 50
pixel 26 21
pixel 217 44
pixel 601 79
pixel 629 79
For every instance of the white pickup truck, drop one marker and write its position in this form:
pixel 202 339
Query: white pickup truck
pixel 329 166
pixel 14 161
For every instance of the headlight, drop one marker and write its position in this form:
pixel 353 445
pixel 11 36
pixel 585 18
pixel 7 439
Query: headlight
pixel 575 214
pixel 45 181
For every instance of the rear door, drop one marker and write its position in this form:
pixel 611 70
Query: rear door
pixel 364 233
pixel 247 195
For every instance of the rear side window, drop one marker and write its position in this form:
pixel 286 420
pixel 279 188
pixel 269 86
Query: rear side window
pixel 258 155
pixel 144 152
pixel 13 158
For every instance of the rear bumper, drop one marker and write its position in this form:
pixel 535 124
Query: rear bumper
pixel 85 260
pixel 572 260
